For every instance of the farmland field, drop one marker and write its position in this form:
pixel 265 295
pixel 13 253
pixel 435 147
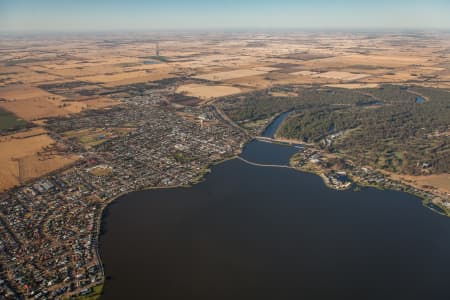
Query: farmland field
pixel 10 121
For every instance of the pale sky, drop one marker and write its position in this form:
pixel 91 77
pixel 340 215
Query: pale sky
pixel 104 15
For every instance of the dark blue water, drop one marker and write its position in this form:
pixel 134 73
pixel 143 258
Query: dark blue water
pixel 272 128
pixel 263 153
pixel 250 232
pixel 420 100
pixel 370 103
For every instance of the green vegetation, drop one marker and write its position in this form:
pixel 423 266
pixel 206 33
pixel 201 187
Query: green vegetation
pixel 9 121
pixel 256 106
pixel 368 67
pixel 158 58
pixel 127 65
pixel 89 137
pixel 182 157
pixel 13 62
pixel 260 105
pixel 382 127
pixel 96 293
pixel 255 125
pixel 400 135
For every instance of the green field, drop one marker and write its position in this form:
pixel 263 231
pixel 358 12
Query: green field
pixel 96 293
pixel 10 121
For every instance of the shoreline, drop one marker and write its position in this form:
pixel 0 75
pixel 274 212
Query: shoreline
pixel 207 169
pixel 101 216
pixel 360 183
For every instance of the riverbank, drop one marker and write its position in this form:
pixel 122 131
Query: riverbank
pixel 251 215
pixel 329 175
pixel 340 174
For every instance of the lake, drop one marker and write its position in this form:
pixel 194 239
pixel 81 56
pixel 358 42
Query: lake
pixel 249 232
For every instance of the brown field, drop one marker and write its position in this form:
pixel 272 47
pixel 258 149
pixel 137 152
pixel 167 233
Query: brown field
pixel 208 91
pixel 29 147
pixel 33 109
pixel 37 165
pixel 99 102
pixel 304 73
pixel 240 63
pixel 380 61
pixel 221 76
pixel 252 82
pixel 148 77
pixel 32 103
pixel 107 78
pixel 346 76
pixel 35 78
pixel 100 170
pixel 23 92
pixel 94 103
pixel 440 182
pixel 21 135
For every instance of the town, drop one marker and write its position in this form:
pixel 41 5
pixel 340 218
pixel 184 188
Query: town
pixel 88 119
pixel 50 226
pixel 339 173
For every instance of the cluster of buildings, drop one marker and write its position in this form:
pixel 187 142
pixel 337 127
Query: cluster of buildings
pixel 371 177
pixel 49 228
pixel 312 160
pixel 338 173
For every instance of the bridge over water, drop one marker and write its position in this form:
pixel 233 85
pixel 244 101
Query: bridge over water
pixel 273 140
pixel 263 165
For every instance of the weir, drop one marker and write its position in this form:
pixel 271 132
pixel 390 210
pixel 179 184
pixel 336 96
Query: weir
pixel 263 165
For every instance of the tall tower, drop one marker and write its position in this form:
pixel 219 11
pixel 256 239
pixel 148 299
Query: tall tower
pixel 157 49
pixel 21 169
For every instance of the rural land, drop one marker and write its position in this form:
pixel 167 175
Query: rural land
pixel 86 118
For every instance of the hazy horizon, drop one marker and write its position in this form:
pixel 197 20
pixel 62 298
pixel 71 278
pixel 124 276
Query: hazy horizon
pixel 201 15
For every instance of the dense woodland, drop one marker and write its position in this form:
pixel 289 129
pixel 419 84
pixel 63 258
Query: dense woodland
pixel 383 127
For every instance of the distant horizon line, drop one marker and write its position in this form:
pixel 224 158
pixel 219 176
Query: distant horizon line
pixel 227 30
